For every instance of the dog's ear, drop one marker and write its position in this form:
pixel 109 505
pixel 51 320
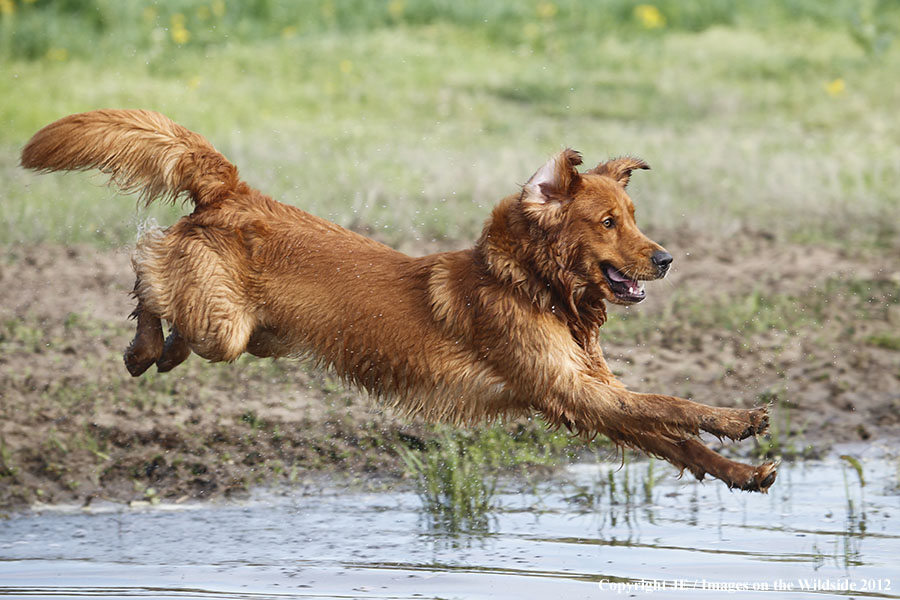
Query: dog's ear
pixel 554 180
pixel 620 168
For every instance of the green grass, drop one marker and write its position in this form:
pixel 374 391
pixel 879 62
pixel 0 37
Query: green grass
pixel 454 483
pixel 618 490
pixel 781 440
pixel 456 472
pixel 841 303
pixel 409 119
pixel 856 515
pixel 885 339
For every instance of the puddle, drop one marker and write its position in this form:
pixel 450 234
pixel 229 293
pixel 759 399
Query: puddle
pixel 593 532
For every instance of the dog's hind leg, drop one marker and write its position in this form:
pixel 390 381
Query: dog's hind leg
pixel 147 345
pixel 175 351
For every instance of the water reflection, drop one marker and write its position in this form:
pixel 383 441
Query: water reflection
pixel 823 502
pixel 596 525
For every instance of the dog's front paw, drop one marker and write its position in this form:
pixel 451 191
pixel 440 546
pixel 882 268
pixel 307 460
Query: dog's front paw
pixel 736 423
pixel 762 478
pixel 759 423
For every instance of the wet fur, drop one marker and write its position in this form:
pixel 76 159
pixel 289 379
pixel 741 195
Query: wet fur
pixel 506 328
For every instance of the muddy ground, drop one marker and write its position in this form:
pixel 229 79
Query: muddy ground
pixel 813 329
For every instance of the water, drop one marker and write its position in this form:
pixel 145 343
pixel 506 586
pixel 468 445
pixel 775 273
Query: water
pixel 575 536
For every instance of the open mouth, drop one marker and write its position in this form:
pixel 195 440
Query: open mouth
pixel 624 288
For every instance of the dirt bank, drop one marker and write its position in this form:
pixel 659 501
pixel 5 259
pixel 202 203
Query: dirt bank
pixel 812 329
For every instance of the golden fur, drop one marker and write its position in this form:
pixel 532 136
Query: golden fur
pixel 508 327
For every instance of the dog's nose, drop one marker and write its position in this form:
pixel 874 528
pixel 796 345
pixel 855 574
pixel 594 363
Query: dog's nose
pixel 662 260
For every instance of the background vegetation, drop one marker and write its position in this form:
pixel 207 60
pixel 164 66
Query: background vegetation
pixel 411 118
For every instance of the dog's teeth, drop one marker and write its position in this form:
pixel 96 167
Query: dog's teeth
pixel 635 289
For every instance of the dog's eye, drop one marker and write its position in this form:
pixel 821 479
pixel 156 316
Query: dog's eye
pixel 608 222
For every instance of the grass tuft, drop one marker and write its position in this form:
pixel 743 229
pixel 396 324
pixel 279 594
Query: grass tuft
pixel 454 482
pixel 456 472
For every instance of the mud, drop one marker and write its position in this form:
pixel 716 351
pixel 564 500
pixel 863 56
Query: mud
pixel 812 329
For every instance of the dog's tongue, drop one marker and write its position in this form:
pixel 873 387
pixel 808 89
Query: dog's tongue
pixel 634 286
pixel 617 276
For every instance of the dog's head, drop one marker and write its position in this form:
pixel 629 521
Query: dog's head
pixel 587 221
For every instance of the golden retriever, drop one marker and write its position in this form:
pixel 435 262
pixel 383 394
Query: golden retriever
pixel 508 327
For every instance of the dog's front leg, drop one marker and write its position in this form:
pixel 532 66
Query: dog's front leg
pixel 594 406
pixel 679 414
pixel 692 417
pixel 699 460
pixel 662 426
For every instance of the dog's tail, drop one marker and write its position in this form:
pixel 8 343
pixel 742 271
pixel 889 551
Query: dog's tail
pixel 142 151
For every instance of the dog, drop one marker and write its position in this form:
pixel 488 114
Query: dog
pixel 506 328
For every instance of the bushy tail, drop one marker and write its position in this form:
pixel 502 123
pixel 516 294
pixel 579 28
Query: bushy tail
pixel 142 151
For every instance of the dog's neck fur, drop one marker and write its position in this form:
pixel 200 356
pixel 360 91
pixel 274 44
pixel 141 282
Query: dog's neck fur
pixel 545 274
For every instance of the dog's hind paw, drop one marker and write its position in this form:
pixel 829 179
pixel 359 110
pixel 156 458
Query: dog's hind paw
pixel 147 345
pixel 175 351
pixel 136 362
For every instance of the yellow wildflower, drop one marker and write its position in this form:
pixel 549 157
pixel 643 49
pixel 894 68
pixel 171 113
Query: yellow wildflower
pixel 180 35
pixel 649 16
pixel 396 8
pixel 218 7
pixel 547 10
pixel 345 66
pixel 7 7
pixel 836 87
pixel 57 54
